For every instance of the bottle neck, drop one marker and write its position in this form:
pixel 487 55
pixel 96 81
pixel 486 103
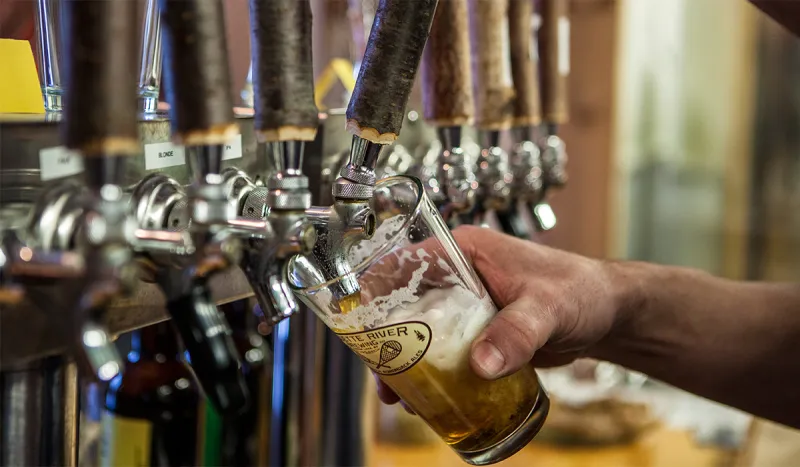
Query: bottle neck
pixel 157 342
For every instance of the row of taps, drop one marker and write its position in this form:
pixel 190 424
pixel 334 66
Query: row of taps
pixel 96 240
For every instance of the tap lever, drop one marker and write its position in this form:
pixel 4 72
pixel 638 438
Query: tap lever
pixel 524 66
pixel 446 77
pixel 209 343
pixel 385 79
pixel 196 72
pixel 554 44
pixel 283 69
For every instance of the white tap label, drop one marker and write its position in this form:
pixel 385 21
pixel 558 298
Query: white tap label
pixel 57 162
pixel 163 155
pixel 563 46
pixel 233 150
pixel 508 79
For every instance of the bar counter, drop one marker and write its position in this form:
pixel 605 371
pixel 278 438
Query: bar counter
pixel 661 448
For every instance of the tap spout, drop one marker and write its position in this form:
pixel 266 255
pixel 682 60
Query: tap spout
pixel 338 227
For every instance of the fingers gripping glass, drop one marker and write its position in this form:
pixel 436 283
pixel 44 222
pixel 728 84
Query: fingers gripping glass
pixel 419 308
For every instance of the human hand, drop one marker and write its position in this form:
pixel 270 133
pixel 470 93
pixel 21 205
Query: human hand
pixel 554 306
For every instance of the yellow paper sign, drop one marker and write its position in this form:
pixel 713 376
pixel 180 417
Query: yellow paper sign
pixel 338 69
pixel 20 91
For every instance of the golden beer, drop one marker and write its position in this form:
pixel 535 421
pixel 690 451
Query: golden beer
pixel 467 412
pixel 424 358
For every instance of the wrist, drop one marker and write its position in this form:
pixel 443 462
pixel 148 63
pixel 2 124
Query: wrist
pixel 628 285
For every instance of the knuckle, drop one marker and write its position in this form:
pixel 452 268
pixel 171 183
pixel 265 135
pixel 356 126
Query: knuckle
pixel 517 331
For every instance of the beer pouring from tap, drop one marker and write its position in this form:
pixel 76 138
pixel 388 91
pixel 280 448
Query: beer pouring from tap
pixel 374 117
pixel 449 106
pixel 405 299
pixel 493 96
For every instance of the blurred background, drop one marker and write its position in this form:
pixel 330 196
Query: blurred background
pixel 684 147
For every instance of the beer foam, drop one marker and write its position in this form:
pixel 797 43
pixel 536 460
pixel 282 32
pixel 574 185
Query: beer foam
pixel 455 315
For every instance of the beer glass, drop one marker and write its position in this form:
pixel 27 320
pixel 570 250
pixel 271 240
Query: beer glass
pixel 49 21
pixel 150 62
pixel 417 308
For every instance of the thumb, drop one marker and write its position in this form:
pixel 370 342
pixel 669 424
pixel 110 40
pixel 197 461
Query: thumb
pixel 511 338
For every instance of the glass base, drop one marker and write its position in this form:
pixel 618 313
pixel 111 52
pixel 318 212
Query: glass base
pixel 52 99
pixel 514 442
pixel 148 104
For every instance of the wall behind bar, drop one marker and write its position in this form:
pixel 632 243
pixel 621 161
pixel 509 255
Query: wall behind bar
pixel 583 206
pixel 237 24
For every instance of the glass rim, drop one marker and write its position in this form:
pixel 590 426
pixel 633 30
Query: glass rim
pixel 379 252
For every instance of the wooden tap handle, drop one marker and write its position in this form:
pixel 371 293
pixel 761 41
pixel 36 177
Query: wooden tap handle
pixel 387 73
pixel 283 72
pixel 524 63
pixel 446 75
pixel 492 85
pixel 554 56
pixel 100 102
pixel 196 72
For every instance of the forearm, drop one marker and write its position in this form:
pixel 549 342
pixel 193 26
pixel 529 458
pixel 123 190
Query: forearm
pixel 735 342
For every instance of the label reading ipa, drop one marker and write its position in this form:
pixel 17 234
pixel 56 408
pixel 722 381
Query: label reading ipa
pixel 393 349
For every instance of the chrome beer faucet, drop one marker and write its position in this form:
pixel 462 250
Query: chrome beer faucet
pixel 201 114
pixel 553 45
pixel 492 94
pixel 449 106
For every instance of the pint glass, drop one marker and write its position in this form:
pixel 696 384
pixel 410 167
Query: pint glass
pixel 418 308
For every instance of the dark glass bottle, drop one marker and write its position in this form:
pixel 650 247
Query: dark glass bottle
pixel 151 410
pixel 245 438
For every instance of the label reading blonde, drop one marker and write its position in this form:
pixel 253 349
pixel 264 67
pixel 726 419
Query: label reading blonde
pixel 393 349
pixel 125 442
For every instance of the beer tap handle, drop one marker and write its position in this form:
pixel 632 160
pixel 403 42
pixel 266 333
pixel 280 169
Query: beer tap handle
pixel 201 113
pixel 377 107
pixel 446 76
pixel 197 80
pixel 212 352
pixel 524 65
pixel 100 122
pixel 283 70
pixel 286 117
pixel 100 102
pixel 394 50
pixel 554 56
pixel 490 64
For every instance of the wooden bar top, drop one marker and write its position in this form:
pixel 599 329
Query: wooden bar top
pixel 661 448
